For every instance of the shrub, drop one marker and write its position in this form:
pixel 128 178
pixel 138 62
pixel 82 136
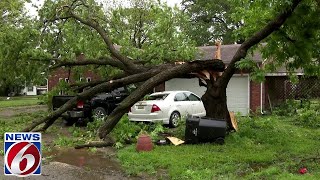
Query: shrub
pixel 304 112
pixel 126 131
pixel 179 131
pixel 287 109
pixel 308 118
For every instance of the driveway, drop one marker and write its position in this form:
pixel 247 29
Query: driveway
pixel 13 111
pixel 63 171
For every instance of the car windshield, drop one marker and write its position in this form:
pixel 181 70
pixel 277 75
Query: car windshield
pixel 121 89
pixel 157 97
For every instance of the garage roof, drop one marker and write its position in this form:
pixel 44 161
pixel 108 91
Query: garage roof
pixel 227 52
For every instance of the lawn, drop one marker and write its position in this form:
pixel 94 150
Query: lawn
pixel 268 147
pixel 19 101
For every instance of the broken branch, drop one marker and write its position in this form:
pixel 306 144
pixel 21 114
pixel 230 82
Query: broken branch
pixel 100 61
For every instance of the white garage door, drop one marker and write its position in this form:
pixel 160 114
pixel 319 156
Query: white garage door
pixel 237 91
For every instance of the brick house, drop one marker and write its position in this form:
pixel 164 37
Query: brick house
pixel 66 74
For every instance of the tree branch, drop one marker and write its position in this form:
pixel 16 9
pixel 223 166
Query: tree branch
pixel 285 35
pixel 80 86
pixel 272 26
pixel 100 61
pixel 131 67
pixel 57 18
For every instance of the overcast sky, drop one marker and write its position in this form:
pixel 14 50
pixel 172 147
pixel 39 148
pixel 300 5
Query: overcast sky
pixel 32 11
pixel 172 2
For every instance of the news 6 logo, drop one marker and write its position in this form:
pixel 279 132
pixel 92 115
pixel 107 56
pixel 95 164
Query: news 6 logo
pixel 22 154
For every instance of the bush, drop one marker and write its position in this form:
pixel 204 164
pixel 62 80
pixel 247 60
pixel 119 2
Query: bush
pixel 308 118
pixel 127 132
pixel 304 112
pixel 287 109
pixel 179 131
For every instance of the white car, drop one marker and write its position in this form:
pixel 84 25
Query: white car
pixel 168 107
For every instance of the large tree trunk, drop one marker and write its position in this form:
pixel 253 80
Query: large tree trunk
pixel 215 102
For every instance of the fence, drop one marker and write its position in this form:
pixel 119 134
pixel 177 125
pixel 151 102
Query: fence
pixel 279 89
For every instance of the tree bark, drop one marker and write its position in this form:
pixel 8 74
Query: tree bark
pixel 215 102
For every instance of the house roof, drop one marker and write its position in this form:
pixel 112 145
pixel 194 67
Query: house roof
pixel 227 52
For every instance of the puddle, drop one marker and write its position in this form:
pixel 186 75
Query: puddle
pixel 100 160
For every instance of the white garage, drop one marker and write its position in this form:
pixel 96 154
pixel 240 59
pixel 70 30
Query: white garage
pixel 237 91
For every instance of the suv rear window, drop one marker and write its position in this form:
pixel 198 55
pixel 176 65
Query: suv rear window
pixel 157 97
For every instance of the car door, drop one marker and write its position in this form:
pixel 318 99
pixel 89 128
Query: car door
pixel 197 105
pixel 181 103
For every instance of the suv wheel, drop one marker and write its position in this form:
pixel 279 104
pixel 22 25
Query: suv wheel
pixel 99 112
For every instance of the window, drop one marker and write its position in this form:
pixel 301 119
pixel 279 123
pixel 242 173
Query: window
pixel 193 97
pixel 60 79
pixel 81 79
pixel 30 88
pixel 180 97
pixel 66 80
pixel 157 97
pixel 88 79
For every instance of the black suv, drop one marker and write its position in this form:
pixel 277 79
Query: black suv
pixel 99 106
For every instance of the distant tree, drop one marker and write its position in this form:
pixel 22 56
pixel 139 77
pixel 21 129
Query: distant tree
pixel 210 20
pixel 17 37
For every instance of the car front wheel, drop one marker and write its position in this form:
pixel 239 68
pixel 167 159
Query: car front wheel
pixel 99 112
pixel 174 119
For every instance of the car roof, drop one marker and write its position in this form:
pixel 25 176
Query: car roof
pixel 169 92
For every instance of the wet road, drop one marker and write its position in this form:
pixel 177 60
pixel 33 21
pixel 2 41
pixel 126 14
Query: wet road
pixel 71 164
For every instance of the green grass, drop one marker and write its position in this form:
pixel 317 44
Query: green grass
pixel 264 148
pixel 16 123
pixel 19 101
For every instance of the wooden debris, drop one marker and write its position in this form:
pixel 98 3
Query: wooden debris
pixel 175 141
pixel 233 121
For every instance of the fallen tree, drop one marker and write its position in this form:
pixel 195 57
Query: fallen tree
pixel 214 99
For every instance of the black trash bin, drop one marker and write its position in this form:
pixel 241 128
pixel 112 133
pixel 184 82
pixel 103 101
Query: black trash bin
pixel 203 129
pixel 192 130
